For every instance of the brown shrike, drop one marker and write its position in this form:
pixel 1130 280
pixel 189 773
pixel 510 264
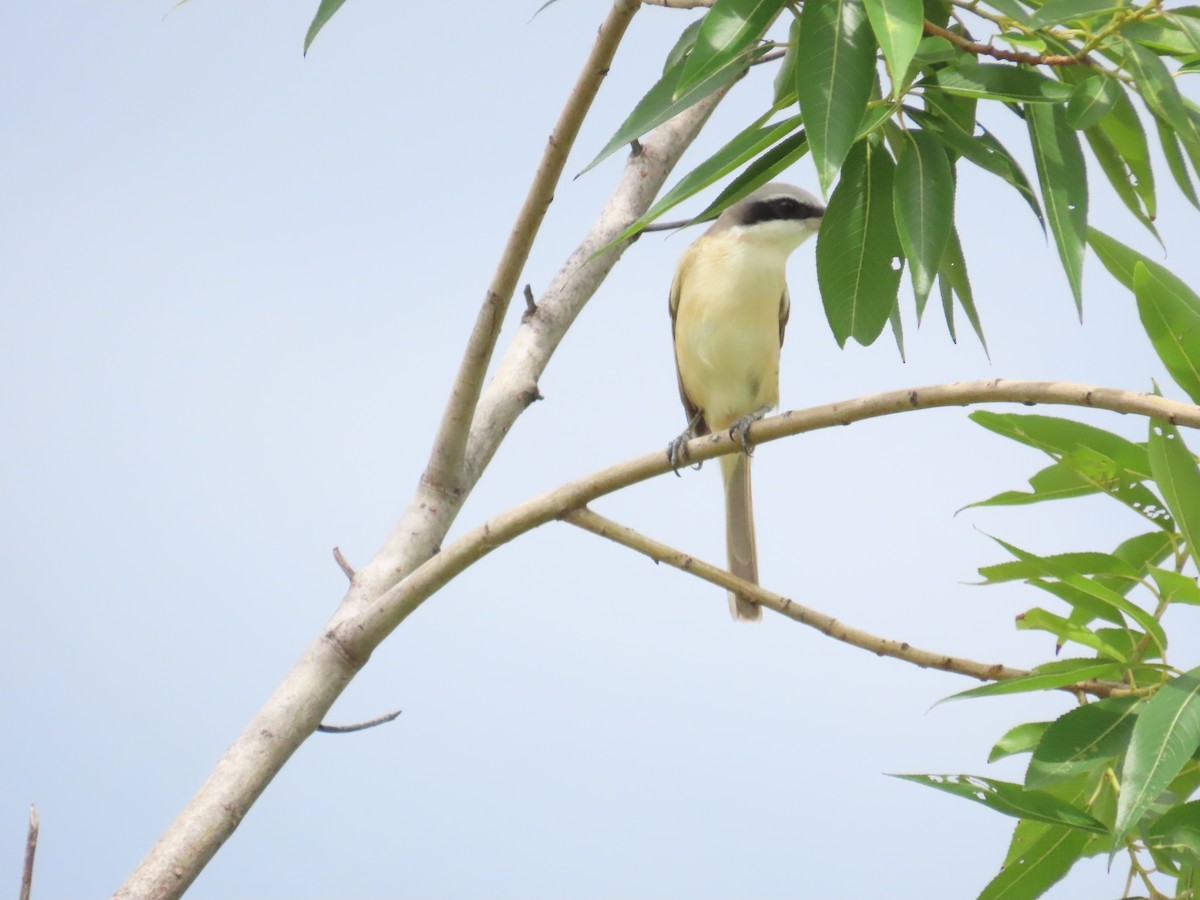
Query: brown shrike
pixel 729 306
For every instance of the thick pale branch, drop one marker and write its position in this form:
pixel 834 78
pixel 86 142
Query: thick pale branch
pixel 445 470
pixel 297 707
pixel 364 632
pixel 591 521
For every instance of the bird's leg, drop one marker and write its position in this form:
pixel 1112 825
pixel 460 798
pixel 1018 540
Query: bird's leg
pixel 677 454
pixel 740 430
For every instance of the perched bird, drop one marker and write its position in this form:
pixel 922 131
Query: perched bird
pixel 729 306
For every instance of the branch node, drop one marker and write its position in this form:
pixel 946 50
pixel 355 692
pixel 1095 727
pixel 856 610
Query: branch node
pixel 531 307
pixel 635 147
pixel 359 726
pixel 342 564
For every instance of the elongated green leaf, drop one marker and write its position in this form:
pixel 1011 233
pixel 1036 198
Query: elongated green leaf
pixel 660 102
pixel 1177 833
pixel 1055 12
pixel 1058 436
pixel 834 79
pixel 683 46
pixel 1092 100
pixel 858 248
pixel 1158 88
pixel 1018 739
pixel 1041 864
pixel 785 77
pixel 1178 478
pixel 1176 587
pixel 953 271
pixel 1120 176
pixel 1046 678
pixel 1063 176
pixel 1085 607
pixel 325 11
pixel 1064 630
pixel 924 207
pixel 1056 482
pixel 748 144
pixel 1164 738
pixel 1011 800
pixel 1079 563
pixel 898 29
pixel 763 169
pixel 1123 127
pixel 984 151
pixel 1161 34
pixel 947 295
pixel 1170 313
pixel 1051 569
pixel 1176 164
pixel 1079 739
pixel 1120 259
pixel 1001 82
pixel 727 31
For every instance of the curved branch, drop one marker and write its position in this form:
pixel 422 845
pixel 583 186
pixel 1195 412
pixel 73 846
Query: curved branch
pixel 591 521
pixel 362 633
pixel 1032 59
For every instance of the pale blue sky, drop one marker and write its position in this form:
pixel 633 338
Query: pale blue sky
pixel 235 287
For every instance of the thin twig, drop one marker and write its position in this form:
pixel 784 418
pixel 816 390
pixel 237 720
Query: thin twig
pixel 342 564
pixel 31 839
pixel 444 472
pixel 530 306
pixel 1032 59
pixel 591 521
pixel 359 726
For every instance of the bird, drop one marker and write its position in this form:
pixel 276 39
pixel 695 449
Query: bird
pixel 729 307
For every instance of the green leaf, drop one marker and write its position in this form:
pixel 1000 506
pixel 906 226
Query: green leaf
pixel 1120 175
pixel 1011 800
pixel 924 207
pixel 785 77
pixel 1018 739
pixel 1170 313
pixel 898 28
pixel 1064 630
pixel 1055 12
pixel 683 46
pixel 1047 677
pixel 749 144
pixel 1063 176
pixel 1058 436
pixel 325 12
pixel 953 272
pixel 1052 569
pixel 661 104
pixel 1158 88
pixel 1175 161
pixel 1175 587
pixel 776 160
pixel 858 248
pixel 1088 563
pixel 1161 35
pixel 1040 865
pixel 834 79
pixel 1001 82
pixel 1092 100
pixel 1082 738
pixel 1177 833
pixel 727 31
pixel 1164 738
pixel 1123 128
pixel 1175 470
pixel 1056 482
pixel 983 150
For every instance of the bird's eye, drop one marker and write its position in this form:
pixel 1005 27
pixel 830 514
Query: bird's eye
pixel 790 208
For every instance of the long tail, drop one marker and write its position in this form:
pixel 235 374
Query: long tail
pixel 739 532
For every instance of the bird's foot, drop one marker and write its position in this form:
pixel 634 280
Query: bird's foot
pixel 677 452
pixel 740 430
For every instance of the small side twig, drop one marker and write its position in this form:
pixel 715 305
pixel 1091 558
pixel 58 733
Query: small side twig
pixel 342 563
pixel 35 824
pixel 1032 59
pixel 597 524
pixel 530 305
pixel 359 726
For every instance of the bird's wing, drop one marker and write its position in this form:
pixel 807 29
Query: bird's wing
pixel 785 310
pixel 690 408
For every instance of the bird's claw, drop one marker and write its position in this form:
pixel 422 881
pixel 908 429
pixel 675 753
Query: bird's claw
pixel 677 454
pixel 740 430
